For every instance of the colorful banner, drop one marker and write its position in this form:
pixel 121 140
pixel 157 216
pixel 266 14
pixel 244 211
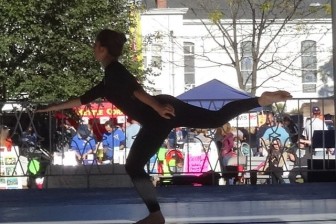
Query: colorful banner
pixel 99 110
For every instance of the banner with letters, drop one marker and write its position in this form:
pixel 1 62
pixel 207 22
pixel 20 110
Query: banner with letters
pixel 245 120
pixel 103 111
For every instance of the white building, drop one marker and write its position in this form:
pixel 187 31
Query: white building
pixel 179 36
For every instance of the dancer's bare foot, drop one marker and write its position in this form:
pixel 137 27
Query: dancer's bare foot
pixel 267 98
pixel 153 218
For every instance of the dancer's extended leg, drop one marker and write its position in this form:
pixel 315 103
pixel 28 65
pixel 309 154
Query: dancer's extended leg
pixel 192 116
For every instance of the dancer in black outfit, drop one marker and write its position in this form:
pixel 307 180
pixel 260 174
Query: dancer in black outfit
pixel 157 114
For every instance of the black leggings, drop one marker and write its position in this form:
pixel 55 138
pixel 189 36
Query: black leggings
pixel 155 130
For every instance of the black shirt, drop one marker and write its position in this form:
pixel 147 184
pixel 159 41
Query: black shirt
pixel 118 86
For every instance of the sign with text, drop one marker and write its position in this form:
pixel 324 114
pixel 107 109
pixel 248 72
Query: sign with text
pixel 97 110
pixel 245 120
pixel 195 164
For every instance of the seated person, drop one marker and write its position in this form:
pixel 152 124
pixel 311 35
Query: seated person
pixel 320 151
pixel 113 142
pixel 300 164
pixel 260 131
pixel 83 143
pixel 275 161
pixel 202 136
pixel 29 136
pixel 292 128
pixel 69 128
pixel 227 144
pixel 229 161
pixel 5 140
pixel 278 132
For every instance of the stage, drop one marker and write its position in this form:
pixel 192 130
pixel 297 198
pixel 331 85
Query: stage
pixel 299 203
pixel 88 176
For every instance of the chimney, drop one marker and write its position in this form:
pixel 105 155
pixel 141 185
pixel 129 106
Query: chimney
pixel 161 4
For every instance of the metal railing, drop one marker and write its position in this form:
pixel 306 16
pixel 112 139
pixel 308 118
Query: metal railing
pixel 34 156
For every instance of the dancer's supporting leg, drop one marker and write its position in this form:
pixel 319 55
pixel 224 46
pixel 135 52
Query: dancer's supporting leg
pixel 146 144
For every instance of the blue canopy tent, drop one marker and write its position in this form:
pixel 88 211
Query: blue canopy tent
pixel 213 95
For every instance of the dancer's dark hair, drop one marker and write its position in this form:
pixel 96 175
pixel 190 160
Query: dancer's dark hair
pixel 114 41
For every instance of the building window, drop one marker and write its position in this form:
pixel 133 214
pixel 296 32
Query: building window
pixel 308 66
pixel 246 64
pixel 156 60
pixel 152 55
pixel 189 65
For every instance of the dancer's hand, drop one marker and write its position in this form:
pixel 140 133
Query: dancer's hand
pixel 167 111
pixel 267 98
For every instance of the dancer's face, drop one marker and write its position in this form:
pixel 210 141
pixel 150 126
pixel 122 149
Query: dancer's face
pixel 100 52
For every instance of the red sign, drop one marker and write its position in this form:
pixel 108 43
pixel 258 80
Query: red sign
pixel 98 110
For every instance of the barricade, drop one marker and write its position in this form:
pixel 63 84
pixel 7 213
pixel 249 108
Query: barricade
pixel 199 159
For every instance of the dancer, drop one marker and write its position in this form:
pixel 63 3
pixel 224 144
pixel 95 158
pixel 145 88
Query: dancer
pixel 156 114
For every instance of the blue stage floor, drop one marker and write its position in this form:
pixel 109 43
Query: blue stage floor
pixel 301 203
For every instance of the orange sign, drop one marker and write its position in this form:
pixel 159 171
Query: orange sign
pixel 98 110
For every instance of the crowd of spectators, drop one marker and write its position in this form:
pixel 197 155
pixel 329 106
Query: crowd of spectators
pixel 281 140
pixel 93 144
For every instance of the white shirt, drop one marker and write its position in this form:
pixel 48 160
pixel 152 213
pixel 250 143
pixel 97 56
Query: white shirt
pixel 131 132
pixel 312 125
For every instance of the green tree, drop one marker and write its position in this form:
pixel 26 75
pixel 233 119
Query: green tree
pixel 46 46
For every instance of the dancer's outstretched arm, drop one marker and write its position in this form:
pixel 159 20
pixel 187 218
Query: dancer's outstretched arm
pixel 64 105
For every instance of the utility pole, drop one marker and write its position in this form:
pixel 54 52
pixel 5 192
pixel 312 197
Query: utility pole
pixel 333 19
pixel 172 62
